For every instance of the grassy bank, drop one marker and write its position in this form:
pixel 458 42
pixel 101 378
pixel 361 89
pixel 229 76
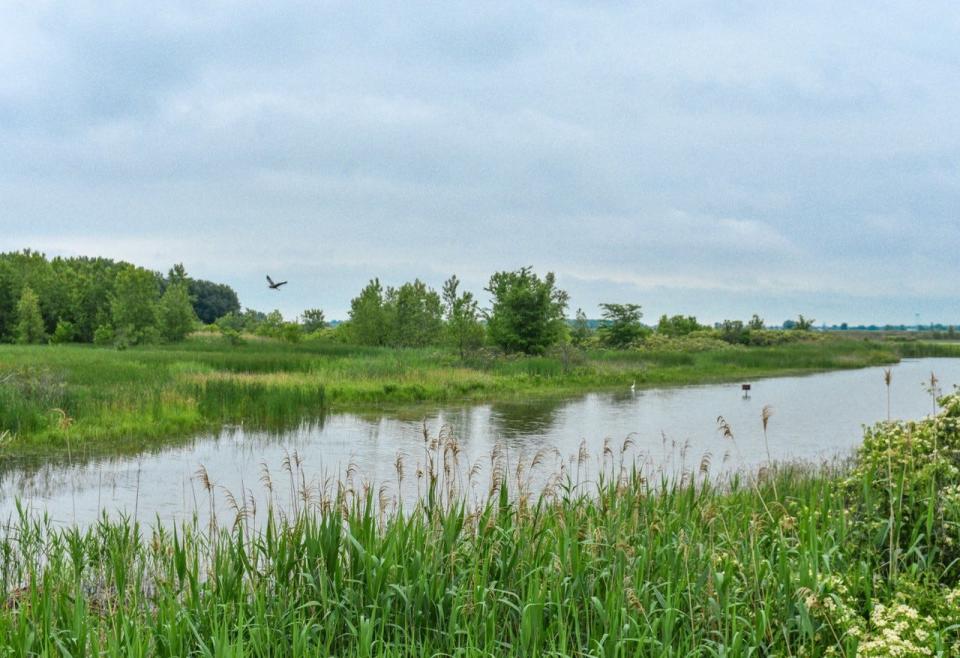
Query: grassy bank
pixel 79 394
pixel 860 560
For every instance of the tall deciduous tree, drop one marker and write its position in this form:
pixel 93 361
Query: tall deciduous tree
pixel 212 301
pixel 368 318
pixel 464 329
pixel 175 313
pixel 622 325
pixel 527 314
pixel 134 303
pixel 29 328
pixel 414 315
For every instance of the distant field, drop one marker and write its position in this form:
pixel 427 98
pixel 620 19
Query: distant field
pixel 62 394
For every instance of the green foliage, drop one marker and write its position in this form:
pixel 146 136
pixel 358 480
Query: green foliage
pixel 408 316
pixel 580 333
pixel 291 332
pixel 622 327
pixel 271 324
pixel 313 320
pixel 528 312
pixel 910 473
pixel 29 328
pixel 678 325
pixel 733 332
pixel 231 336
pixel 756 323
pixel 146 391
pixel 792 561
pixel 83 292
pixel 103 335
pixel 133 304
pixel 368 317
pixel 64 333
pixel 231 321
pixel 175 313
pixel 800 324
pixel 803 324
pixel 414 315
pixel 464 329
pixel 212 301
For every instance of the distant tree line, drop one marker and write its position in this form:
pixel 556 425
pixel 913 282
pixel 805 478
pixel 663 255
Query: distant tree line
pixel 107 302
pixel 101 300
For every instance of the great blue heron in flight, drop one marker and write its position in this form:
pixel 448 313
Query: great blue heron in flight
pixel 274 286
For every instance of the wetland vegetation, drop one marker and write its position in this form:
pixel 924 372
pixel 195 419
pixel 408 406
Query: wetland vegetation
pixel 82 394
pixel 857 558
pixel 854 559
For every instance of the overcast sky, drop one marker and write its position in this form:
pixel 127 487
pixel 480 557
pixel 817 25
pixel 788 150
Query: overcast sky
pixel 777 158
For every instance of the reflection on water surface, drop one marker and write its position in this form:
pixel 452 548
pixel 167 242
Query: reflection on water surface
pixel 815 417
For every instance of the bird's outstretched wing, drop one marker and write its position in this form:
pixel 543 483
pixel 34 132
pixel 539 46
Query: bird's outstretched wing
pixel 269 280
pixel 282 283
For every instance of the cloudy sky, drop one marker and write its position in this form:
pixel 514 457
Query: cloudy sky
pixel 718 159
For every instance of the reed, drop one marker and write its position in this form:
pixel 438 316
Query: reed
pixel 165 391
pixel 622 563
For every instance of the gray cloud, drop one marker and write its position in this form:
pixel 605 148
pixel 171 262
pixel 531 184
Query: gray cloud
pixel 711 160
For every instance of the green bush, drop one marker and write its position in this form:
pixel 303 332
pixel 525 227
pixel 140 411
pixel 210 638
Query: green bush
pixel 64 333
pixel 103 335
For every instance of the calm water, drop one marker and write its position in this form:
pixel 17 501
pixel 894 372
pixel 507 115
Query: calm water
pixel 816 417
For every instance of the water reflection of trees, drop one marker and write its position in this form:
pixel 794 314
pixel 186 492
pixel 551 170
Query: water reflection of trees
pixel 518 421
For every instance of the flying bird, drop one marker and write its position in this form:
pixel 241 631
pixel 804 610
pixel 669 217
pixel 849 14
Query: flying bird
pixel 274 286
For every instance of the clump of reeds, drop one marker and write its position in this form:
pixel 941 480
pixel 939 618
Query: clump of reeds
pixel 606 558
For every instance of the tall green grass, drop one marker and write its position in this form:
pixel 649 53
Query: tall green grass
pixel 82 394
pixel 793 562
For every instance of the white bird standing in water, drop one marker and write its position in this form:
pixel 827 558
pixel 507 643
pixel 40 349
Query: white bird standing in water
pixel 633 386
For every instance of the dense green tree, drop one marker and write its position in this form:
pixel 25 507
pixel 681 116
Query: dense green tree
pixel 622 326
pixel 464 329
pixel 756 323
pixel 175 313
pixel 313 320
pixel 8 300
pixel 134 304
pixel 368 317
pixel 177 276
pixel 89 293
pixel 414 315
pixel 29 328
pixel 677 325
pixel 212 300
pixel 733 332
pixel 527 314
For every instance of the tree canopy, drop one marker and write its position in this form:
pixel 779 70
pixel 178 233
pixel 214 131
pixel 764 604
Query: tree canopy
pixel 77 296
pixel 622 326
pixel 527 313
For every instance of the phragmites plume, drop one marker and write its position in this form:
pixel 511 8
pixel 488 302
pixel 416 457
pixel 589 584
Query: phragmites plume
pixel 204 478
pixel 765 415
pixel 724 428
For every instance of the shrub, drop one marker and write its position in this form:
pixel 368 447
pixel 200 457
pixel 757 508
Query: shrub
pixel 103 335
pixel 64 333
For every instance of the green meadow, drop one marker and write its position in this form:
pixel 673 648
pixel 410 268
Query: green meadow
pixel 81 394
